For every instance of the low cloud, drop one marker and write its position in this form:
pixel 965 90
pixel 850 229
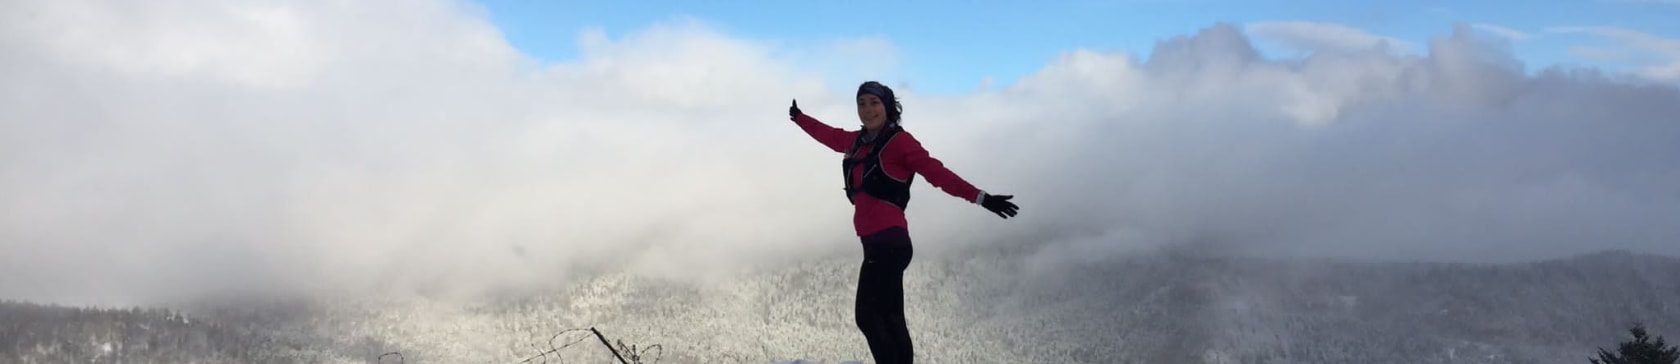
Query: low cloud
pixel 420 154
pixel 152 154
pixel 1456 156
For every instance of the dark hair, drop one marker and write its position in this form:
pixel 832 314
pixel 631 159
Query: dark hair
pixel 895 110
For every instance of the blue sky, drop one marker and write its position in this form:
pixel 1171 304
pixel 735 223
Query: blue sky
pixel 950 46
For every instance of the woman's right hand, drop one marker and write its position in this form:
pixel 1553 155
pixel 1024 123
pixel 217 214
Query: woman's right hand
pixel 793 111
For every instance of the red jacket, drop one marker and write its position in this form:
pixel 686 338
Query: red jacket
pixel 903 155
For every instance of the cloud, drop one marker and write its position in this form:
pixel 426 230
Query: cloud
pixel 1636 39
pixel 152 154
pixel 870 58
pixel 1504 32
pixel 1664 66
pixel 1670 72
pixel 420 154
pixel 1309 36
pixel 1598 54
pixel 1454 156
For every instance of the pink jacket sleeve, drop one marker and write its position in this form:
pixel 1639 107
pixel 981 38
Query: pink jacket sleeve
pixel 835 138
pixel 917 158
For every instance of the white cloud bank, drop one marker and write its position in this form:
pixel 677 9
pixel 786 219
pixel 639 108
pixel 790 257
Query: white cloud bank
pixel 177 150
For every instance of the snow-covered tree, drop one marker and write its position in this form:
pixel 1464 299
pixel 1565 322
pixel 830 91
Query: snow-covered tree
pixel 1641 350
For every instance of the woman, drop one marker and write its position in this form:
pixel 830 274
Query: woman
pixel 880 163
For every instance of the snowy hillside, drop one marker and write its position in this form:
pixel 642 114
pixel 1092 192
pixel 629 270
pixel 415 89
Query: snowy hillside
pixel 972 307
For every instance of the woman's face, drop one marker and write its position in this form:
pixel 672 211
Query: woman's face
pixel 871 111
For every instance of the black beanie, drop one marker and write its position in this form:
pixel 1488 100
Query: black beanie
pixel 887 99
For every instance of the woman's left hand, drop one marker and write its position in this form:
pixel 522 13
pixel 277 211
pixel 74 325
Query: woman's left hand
pixel 1000 205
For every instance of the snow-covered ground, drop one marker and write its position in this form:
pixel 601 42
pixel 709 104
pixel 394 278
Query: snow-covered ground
pixel 975 309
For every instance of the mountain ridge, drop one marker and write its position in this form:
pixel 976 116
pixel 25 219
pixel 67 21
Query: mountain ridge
pixel 969 307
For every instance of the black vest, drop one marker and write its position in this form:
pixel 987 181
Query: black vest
pixel 876 182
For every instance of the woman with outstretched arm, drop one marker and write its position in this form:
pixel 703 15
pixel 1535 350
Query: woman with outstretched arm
pixel 881 161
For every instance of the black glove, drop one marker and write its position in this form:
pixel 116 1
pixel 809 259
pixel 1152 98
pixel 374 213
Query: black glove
pixel 1000 205
pixel 793 111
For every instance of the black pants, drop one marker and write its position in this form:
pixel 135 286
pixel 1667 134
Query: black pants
pixel 880 296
